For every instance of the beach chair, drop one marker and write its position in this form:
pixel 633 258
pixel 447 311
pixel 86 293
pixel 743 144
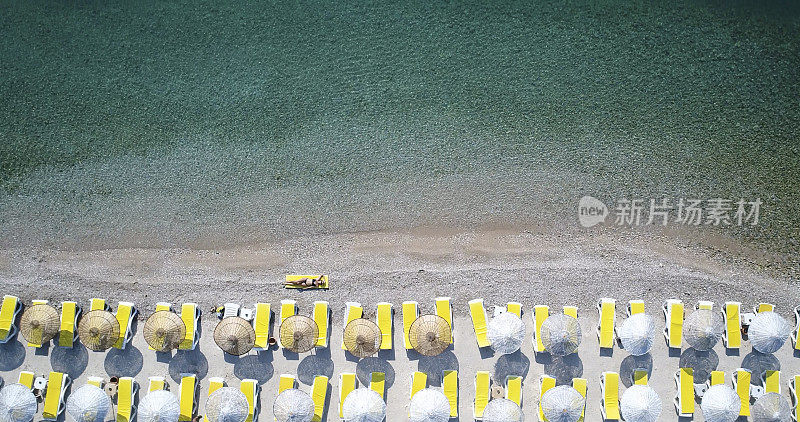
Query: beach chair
pixel 705 304
pixel 288 308
pixel 98 382
pixel 479 321
pixel 515 308
pixel 126 394
pixel 635 307
pixel 70 312
pixel 26 378
pixel 450 388
pixel 352 310
pixel 514 389
pixel 732 336
pixel 319 392
pixel 410 314
pixel 741 385
pixel 771 380
pixel 9 310
pixel 717 378
pixel 796 332
pixel 188 397
pixel 673 315
pixel 295 277
pixel 684 399
pixel 322 316
pixel 190 314
pixel 793 383
pixel 640 377
pixel 580 385
pixel 483 384
pixel 156 383
pixel 571 311
pixel 546 382
pixel 287 382
pixel 606 308
pixel 261 318
pixel 57 384
pixel 419 382
pixel 97 304
pixel 215 383
pixel 251 391
pixel 763 307
pixel 37 302
pixel 540 313
pixel 377 383
pixel 609 391
pixel 231 310
pixel 444 310
pixel 385 317
pixel 347 383
pixel 126 312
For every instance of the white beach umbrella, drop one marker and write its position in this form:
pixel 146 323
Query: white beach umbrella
pixel 159 406
pixel 720 404
pixel 703 329
pixel 561 334
pixel 502 410
pixel 637 334
pixel 562 404
pixel 363 405
pixel 89 404
pixel 506 333
pixel 17 404
pixel 640 403
pixel 772 407
pixel 429 405
pixel 768 332
pixel 293 405
pixel 227 404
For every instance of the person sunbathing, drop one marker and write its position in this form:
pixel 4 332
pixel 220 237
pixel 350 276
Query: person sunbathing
pixel 307 282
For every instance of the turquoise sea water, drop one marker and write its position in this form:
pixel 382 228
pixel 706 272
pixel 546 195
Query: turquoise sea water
pixel 168 123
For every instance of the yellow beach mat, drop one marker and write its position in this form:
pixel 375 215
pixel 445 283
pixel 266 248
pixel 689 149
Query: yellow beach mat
pixel 296 277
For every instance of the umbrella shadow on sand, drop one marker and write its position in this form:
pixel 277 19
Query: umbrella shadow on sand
pixel 758 363
pixel 512 364
pixel 314 365
pixel 71 361
pixel 12 355
pixel 188 362
pixel 633 363
pixel 701 362
pixel 367 366
pixel 258 367
pixel 564 368
pixel 434 366
pixel 125 362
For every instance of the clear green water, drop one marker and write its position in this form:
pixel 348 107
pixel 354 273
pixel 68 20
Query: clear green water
pixel 172 122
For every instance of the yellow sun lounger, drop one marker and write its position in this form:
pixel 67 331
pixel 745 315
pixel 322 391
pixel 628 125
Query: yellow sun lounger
pixel 8 317
pixel 288 308
pixel 450 388
pixel 479 322
pixel 640 377
pixel 319 392
pixel 705 304
pixel 546 382
pixel 26 378
pixel 37 332
pixel 540 313
pixel 571 311
pixel 741 385
pixel 771 381
pixel 796 332
pixel 126 312
pixel 156 383
pixel 296 277
pixel 793 383
pixel 419 382
pixel 717 378
pixel 96 304
pixel 126 393
pixel 190 314
pixel 673 315
pixel 377 383
pixel 214 384
pixel 251 390
pixel 70 312
pixel 764 307
pixel 322 316
pixel 515 308
pixel 579 384
pixel 385 317
pixel 287 382
pixel 444 310
pixel 98 382
pixel 353 310
pixel 188 397
pixel 410 314
pixel 606 308
pixel 732 337
pixel 684 399
pixel 609 391
pixel 483 384
pixel 261 318
pixel 635 307
pixel 514 389
pixel 347 383
pixel 57 384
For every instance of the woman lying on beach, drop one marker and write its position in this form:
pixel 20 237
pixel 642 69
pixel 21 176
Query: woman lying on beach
pixel 307 282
